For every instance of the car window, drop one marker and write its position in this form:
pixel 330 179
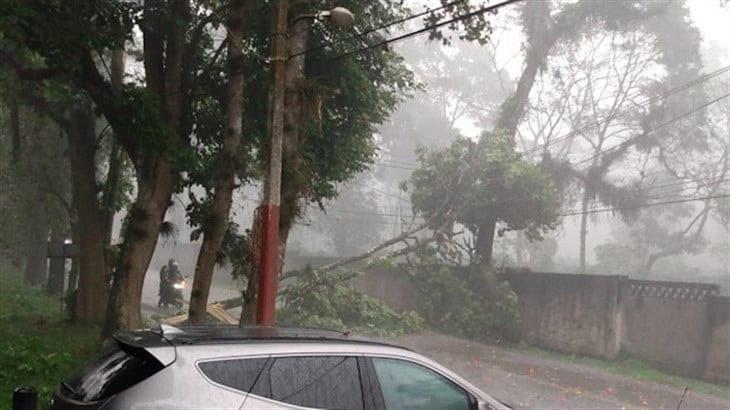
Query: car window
pixel 239 374
pixel 409 386
pixel 113 371
pixel 324 382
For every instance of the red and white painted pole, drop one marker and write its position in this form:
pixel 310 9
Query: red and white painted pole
pixel 269 263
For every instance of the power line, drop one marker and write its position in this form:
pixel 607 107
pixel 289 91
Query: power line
pixel 396 166
pixel 682 189
pixel 569 213
pixel 372 213
pixel 427 28
pixel 613 209
pixel 400 162
pixel 660 197
pixel 670 121
pixel 381 27
pixel 630 110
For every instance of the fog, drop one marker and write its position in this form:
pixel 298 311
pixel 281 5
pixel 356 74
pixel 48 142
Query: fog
pixel 463 88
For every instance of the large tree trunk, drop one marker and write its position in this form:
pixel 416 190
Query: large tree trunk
pixel 111 188
pixel 295 118
pixel 155 175
pixel 216 228
pixel 485 242
pixel 248 309
pixel 15 154
pixel 583 229
pixel 140 239
pixel 56 265
pixel 540 40
pixel 16 146
pixel 92 284
pixel 36 253
pixel 37 248
pixel 73 273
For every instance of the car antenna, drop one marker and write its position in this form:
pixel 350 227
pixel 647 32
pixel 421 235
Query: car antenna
pixel 681 400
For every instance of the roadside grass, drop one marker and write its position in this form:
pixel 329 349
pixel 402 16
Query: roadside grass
pixel 633 368
pixel 38 346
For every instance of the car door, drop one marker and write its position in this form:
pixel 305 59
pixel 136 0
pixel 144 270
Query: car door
pixel 407 385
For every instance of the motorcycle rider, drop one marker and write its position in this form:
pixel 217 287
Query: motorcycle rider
pixel 169 274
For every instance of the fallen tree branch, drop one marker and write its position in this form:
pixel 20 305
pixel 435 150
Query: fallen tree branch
pixel 373 251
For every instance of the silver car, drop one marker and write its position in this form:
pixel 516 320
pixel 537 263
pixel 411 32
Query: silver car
pixel 226 367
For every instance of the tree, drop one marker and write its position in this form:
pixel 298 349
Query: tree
pixel 545 25
pixel 35 191
pixel 214 230
pixel 152 118
pixel 688 169
pixel 479 184
pixel 461 85
pixel 605 93
pixel 333 107
pixel 83 211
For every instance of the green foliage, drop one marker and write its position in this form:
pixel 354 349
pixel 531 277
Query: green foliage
pixel 145 122
pixel 37 346
pixel 328 300
pixel 347 98
pixel 475 182
pixel 31 358
pixel 62 30
pixel 468 301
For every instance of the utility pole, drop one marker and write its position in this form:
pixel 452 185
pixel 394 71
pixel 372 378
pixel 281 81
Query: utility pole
pixel 269 264
pixel 269 210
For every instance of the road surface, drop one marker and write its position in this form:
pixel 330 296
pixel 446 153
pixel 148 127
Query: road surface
pixel 533 382
pixel 152 286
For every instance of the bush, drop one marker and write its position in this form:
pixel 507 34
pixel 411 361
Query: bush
pixel 328 300
pixel 38 346
pixel 468 301
pixel 28 358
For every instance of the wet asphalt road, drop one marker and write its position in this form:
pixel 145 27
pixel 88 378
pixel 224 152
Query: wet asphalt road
pixel 533 382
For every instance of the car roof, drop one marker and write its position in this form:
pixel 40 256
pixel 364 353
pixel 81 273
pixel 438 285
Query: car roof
pixel 232 334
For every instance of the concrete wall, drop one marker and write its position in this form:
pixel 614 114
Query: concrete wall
pixel 683 328
pixel 569 313
pixel 717 363
pixel 667 324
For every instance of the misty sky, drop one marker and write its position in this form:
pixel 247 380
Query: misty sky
pixel 713 21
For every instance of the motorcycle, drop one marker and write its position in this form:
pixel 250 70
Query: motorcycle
pixel 172 293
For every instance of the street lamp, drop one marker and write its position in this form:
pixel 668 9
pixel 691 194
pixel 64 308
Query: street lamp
pixel 269 211
pixel 339 16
